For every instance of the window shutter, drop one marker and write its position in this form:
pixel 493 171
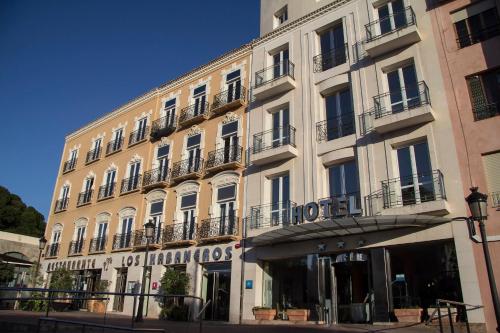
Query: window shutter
pixel 478 98
pixel 491 164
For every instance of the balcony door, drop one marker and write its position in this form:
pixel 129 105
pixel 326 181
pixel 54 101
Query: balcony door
pixel 226 201
pixel 403 88
pixel 110 183
pixel 280 200
pixel 194 152
pixel 102 229
pixel 89 185
pixel 339 115
pixel 332 46
pixel 344 185
pixel 188 210
pixel 126 231
pixel 117 141
pixel 141 128
pixel 56 237
pixel 169 113
pixel 133 175
pixel 79 238
pixel 64 194
pixel 156 215
pixel 96 148
pixel 73 156
pixel 281 127
pixel 233 86
pixel 162 162
pixel 230 141
pixel 391 16
pixel 280 63
pixel 199 96
pixel 415 172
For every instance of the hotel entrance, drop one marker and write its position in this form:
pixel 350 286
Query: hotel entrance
pixel 216 286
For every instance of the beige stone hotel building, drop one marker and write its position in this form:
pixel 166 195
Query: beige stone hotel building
pixel 327 180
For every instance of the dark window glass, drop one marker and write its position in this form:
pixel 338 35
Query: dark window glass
pixel 422 159
pixel 226 193
pixel 156 208
pixel 163 151
pixel 385 22
pixel 188 200
pixel 170 103
pixel 199 90
pixel 231 127
pixel 233 75
pixel 404 162
pixel 193 140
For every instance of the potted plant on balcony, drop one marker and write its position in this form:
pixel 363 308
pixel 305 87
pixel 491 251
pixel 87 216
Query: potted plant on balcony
pixel 263 313
pixel 409 314
pixel 95 305
pixel 297 314
pixel 61 279
pixel 174 282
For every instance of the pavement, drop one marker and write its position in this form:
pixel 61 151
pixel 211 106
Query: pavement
pixel 25 321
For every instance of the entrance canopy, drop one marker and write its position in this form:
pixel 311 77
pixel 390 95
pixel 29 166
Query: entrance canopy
pixel 344 227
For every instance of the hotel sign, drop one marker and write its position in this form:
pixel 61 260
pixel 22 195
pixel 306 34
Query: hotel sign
pixel 325 208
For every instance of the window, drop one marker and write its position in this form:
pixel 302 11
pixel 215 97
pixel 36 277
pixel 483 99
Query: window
pixel 73 155
pixel 156 215
pixel 169 112
pixel 491 164
pixel 199 96
pixel 126 232
pixel 484 90
pixel 96 150
pixel 281 127
pixel 280 63
pixel 79 239
pixel 188 201
pixel 280 199
pixel 162 161
pixel 344 185
pixel 476 23
pixel 141 129
pixel 100 241
pixel 226 197
pixel 339 116
pixel 117 140
pixel 230 141
pixel 233 84
pixel 109 185
pixel 65 192
pixel 134 175
pixel 193 152
pixel 188 206
pixel 56 237
pixel 403 91
pixel 281 16
pixel 392 16
pixel 332 45
pixel 70 164
pixel 86 195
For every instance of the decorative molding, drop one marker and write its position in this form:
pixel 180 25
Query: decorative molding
pixel 164 141
pixel 127 212
pixel 120 125
pixel 144 114
pixel 187 187
pixel 230 117
pixel 225 178
pixel 136 158
pixel 81 222
pixel 103 217
pixel 194 130
pixel 156 195
pixel 57 227
pixel 75 147
pixel 99 136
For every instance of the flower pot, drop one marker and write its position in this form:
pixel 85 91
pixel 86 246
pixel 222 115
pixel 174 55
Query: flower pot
pixel 264 314
pixel 408 315
pixel 297 314
pixel 96 306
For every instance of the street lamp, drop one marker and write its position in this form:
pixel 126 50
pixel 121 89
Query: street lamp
pixel 149 230
pixel 478 206
pixel 42 242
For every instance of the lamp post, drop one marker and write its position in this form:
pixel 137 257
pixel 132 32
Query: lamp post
pixel 149 229
pixel 42 242
pixel 478 205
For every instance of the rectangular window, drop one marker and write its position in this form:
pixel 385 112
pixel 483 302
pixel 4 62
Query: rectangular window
pixel 193 140
pixel 163 151
pixel 476 23
pixel 484 90
pixel 344 185
pixel 403 91
pixel 188 201
pixel 281 16
pixel 233 76
pixel 280 61
pixel 156 208
pixel 491 164
pixel 339 116
pixel 230 128
pixel 332 45
pixel 226 193
pixel 233 83
pixel 391 16
pixel 170 103
pixel 280 199
pixel 199 90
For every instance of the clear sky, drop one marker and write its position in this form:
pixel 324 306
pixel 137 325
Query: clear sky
pixel 66 63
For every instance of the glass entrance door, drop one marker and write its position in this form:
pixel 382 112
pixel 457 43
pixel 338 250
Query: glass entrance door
pixel 121 285
pixel 216 286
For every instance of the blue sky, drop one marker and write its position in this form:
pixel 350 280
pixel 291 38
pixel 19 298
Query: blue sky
pixel 66 63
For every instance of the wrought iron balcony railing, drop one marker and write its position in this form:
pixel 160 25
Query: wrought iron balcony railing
pixel 193 113
pixel 405 99
pixel 122 241
pixel 335 128
pixel 478 36
pixel 270 215
pixel 273 138
pixel 486 111
pixel 163 126
pixel 93 155
pixel 138 136
pixel 495 199
pixel 218 227
pixel 84 198
pixel 390 23
pixel 114 146
pixel 106 191
pixel 52 250
pixel 69 165
pixel 156 176
pixel 179 232
pixel 61 205
pixel 76 247
pixel 274 72
pixel 229 96
pixel 97 244
pixel 139 238
pixel 330 59
pixel 187 167
pixel 131 184
pixel 224 156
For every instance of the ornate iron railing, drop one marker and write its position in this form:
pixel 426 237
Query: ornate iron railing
pixel 495 199
pixel 52 250
pixel 330 59
pixel 76 247
pixel 93 155
pixel 131 184
pixel 179 232
pixel 273 138
pixel 485 111
pixel 106 191
pixel 61 205
pixel 269 215
pixel 222 156
pixel 405 99
pixel 69 165
pixel 155 176
pixel 335 128
pixel 217 227
pixel 122 241
pixel 187 167
pixel 97 244
pixel 138 136
pixel 193 111
pixel 84 198
pixel 114 146
pixel 163 126
pixel 274 72
pixel 478 36
pixel 229 96
pixel 139 237
pixel 390 23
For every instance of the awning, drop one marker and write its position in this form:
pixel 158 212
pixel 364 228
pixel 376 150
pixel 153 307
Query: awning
pixel 344 227
pixel 14 261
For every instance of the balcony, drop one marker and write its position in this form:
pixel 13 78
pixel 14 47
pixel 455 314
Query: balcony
pixel 139 240
pixel 114 146
pixel 219 229
pixel 76 247
pixel 273 145
pixel 93 155
pixel 194 114
pixel 415 194
pixel 163 127
pixel 274 80
pixel 478 36
pixel 399 109
pixel 485 111
pixel 61 205
pixel 330 59
pixel 187 169
pixel 179 234
pixel 138 136
pixel 270 215
pixel 98 245
pixel 84 198
pixel 227 158
pixel 391 33
pixel 155 178
pixel 52 250
pixel 131 184
pixel 228 100
pixel 495 200
pixel 69 165
pixel 335 128
pixel 122 242
pixel 106 191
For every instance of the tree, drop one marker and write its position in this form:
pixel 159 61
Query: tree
pixel 18 218
pixel 174 282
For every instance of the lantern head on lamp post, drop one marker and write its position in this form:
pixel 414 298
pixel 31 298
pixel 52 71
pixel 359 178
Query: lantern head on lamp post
pixel 42 242
pixel 149 229
pixel 478 204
